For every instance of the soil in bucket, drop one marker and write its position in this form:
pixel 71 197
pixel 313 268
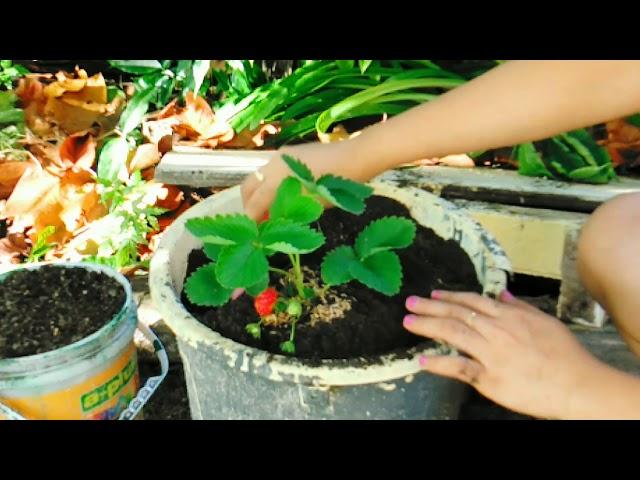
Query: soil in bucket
pixel 371 325
pixel 48 308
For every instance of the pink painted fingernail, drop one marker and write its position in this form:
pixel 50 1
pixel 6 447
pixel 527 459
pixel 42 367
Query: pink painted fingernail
pixel 408 320
pixel 507 296
pixel 422 360
pixel 436 294
pixel 412 302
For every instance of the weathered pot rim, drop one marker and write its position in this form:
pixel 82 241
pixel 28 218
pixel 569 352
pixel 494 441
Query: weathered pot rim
pixel 187 328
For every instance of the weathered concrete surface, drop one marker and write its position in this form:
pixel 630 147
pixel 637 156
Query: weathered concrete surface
pixel 508 187
pixel 148 315
pixel 534 239
pixel 222 168
pixel 608 346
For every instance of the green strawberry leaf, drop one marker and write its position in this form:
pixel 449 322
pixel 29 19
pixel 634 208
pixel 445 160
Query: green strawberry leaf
pixel 224 229
pixel 212 251
pixel 241 266
pixel 335 269
pixel 202 288
pixel 291 204
pixel 385 234
pixel 381 271
pixel 282 235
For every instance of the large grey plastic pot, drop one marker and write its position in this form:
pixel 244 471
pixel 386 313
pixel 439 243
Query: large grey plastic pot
pixel 228 380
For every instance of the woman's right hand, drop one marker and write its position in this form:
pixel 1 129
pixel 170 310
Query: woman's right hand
pixel 341 159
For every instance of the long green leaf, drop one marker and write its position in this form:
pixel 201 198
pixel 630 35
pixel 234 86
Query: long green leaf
pixel 199 72
pixel 112 163
pixel 364 64
pixel 139 67
pixel 299 129
pixel 315 102
pixel 13 115
pixel 135 110
pixel 337 111
pixel 530 162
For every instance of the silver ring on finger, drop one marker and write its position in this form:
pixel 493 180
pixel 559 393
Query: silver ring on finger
pixel 470 320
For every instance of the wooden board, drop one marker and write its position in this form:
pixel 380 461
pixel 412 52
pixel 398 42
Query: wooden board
pixel 199 167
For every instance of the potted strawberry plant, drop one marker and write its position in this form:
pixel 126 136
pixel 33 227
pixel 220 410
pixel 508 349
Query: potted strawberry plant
pixel 317 329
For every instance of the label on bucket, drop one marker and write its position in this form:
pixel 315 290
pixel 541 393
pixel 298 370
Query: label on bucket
pixel 102 397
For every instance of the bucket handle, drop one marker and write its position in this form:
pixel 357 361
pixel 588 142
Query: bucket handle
pixel 143 395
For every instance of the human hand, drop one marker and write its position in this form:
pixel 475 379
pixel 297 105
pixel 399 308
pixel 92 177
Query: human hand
pixel 519 357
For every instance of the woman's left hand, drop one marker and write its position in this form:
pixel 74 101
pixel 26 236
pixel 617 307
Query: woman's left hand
pixel 519 357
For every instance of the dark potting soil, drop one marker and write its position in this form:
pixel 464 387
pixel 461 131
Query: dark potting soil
pixel 49 308
pixel 373 325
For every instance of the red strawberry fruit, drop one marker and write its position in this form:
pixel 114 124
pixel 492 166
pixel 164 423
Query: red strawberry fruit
pixel 265 302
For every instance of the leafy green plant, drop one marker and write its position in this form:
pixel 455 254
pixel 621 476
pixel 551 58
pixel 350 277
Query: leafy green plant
pixel 41 247
pixel 128 224
pixel 571 156
pixel 11 127
pixel 158 81
pixel 9 73
pixel 321 93
pixel 239 249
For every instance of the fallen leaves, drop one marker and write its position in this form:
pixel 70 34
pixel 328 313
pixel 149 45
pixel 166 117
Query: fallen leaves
pixel 10 174
pixel 73 102
pixel 145 156
pixel 456 161
pixel 623 139
pixel 196 125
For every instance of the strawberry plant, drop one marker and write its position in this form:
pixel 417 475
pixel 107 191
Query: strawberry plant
pixel 240 248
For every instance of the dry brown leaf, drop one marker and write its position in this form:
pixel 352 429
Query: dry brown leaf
pixel 197 121
pixel 621 137
pixel 620 131
pixel 456 161
pixel 171 198
pixel 79 206
pixel 78 150
pixel 10 173
pixel 34 189
pixel 338 134
pixel 48 155
pixel 9 253
pixel 146 155
pixel 171 109
pixel 79 102
pixel 155 130
pixel 250 139
pixel 30 90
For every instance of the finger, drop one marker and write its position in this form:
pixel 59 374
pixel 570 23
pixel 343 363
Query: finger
pixel 461 368
pixel 248 187
pixel 471 300
pixel 448 330
pixel 507 298
pixel 259 202
pixel 483 324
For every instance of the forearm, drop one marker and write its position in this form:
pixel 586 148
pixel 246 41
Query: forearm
pixel 609 394
pixel 517 102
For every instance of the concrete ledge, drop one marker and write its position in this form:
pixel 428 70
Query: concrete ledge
pixel 198 167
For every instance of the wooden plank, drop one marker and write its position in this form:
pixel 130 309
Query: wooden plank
pixel 199 167
pixel 533 238
pixel 209 168
pixel 510 188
